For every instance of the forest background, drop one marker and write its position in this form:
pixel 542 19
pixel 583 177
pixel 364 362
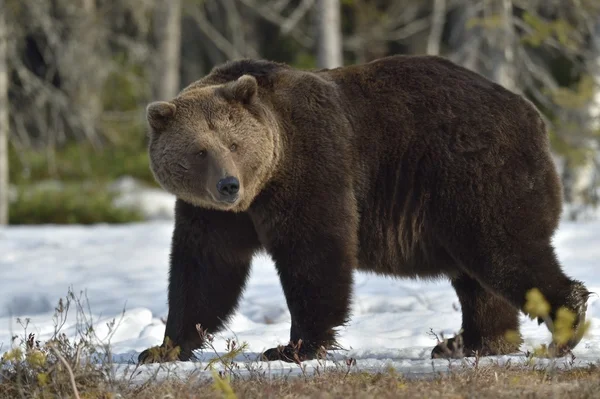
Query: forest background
pixel 76 76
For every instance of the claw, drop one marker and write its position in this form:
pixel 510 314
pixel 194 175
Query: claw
pixel 293 353
pixel 163 354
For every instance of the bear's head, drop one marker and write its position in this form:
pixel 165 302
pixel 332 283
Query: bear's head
pixel 213 146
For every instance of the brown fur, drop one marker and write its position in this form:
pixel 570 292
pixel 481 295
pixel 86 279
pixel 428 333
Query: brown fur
pixel 409 166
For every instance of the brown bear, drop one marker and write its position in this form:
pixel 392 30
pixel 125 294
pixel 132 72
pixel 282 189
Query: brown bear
pixel 406 166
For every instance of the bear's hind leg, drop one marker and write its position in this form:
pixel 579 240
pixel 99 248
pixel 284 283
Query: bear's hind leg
pixel 512 269
pixel 486 318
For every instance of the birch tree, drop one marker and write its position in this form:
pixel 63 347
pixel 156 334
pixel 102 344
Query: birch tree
pixel 503 58
pixel 4 128
pixel 438 18
pixel 482 39
pixel 168 55
pixel 594 106
pixel 329 44
pixel 583 181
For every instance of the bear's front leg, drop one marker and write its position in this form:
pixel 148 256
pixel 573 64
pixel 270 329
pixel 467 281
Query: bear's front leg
pixel 210 260
pixel 315 257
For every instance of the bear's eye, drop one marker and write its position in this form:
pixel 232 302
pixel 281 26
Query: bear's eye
pixel 233 147
pixel 201 153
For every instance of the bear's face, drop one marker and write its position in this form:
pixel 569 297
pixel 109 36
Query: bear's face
pixel 213 146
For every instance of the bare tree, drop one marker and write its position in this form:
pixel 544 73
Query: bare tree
pixel 3 119
pixel 288 23
pixel 379 25
pixel 168 57
pixel 62 58
pixel 329 52
pixel 227 29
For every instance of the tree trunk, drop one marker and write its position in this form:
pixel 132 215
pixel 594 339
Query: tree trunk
pixel 438 18
pixel 88 86
pixel 329 52
pixel 504 71
pixel 193 62
pixel 3 118
pixel 465 43
pixel 585 183
pixel 594 106
pixel 251 32
pixel 168 40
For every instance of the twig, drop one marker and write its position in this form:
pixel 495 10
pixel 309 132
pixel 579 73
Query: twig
pixel 290 23
pixel 220 41
pixel 69 370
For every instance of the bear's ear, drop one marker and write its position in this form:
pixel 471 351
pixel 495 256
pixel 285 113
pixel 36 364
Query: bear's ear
pixel 159 113
pixel 244 89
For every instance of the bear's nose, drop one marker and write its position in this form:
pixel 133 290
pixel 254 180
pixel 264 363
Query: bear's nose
pixel 228 186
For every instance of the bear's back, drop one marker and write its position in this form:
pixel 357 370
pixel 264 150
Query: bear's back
pixel 264 71
pixel 421 89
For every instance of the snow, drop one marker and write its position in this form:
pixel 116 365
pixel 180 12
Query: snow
pixel 153 203
pixel 125 267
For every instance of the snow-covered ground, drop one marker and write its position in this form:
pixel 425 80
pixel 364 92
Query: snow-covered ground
pixel 125 267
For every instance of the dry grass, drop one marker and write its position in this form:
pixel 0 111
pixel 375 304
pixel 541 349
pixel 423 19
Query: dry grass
pixel 61 368
pixel 487 382
pixel 492 382
pixel 483 382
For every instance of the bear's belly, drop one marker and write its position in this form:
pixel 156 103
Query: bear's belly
pixel 391 252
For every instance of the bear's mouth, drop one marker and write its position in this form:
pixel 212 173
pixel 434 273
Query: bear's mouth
pixel 223 199
pixel 229 199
